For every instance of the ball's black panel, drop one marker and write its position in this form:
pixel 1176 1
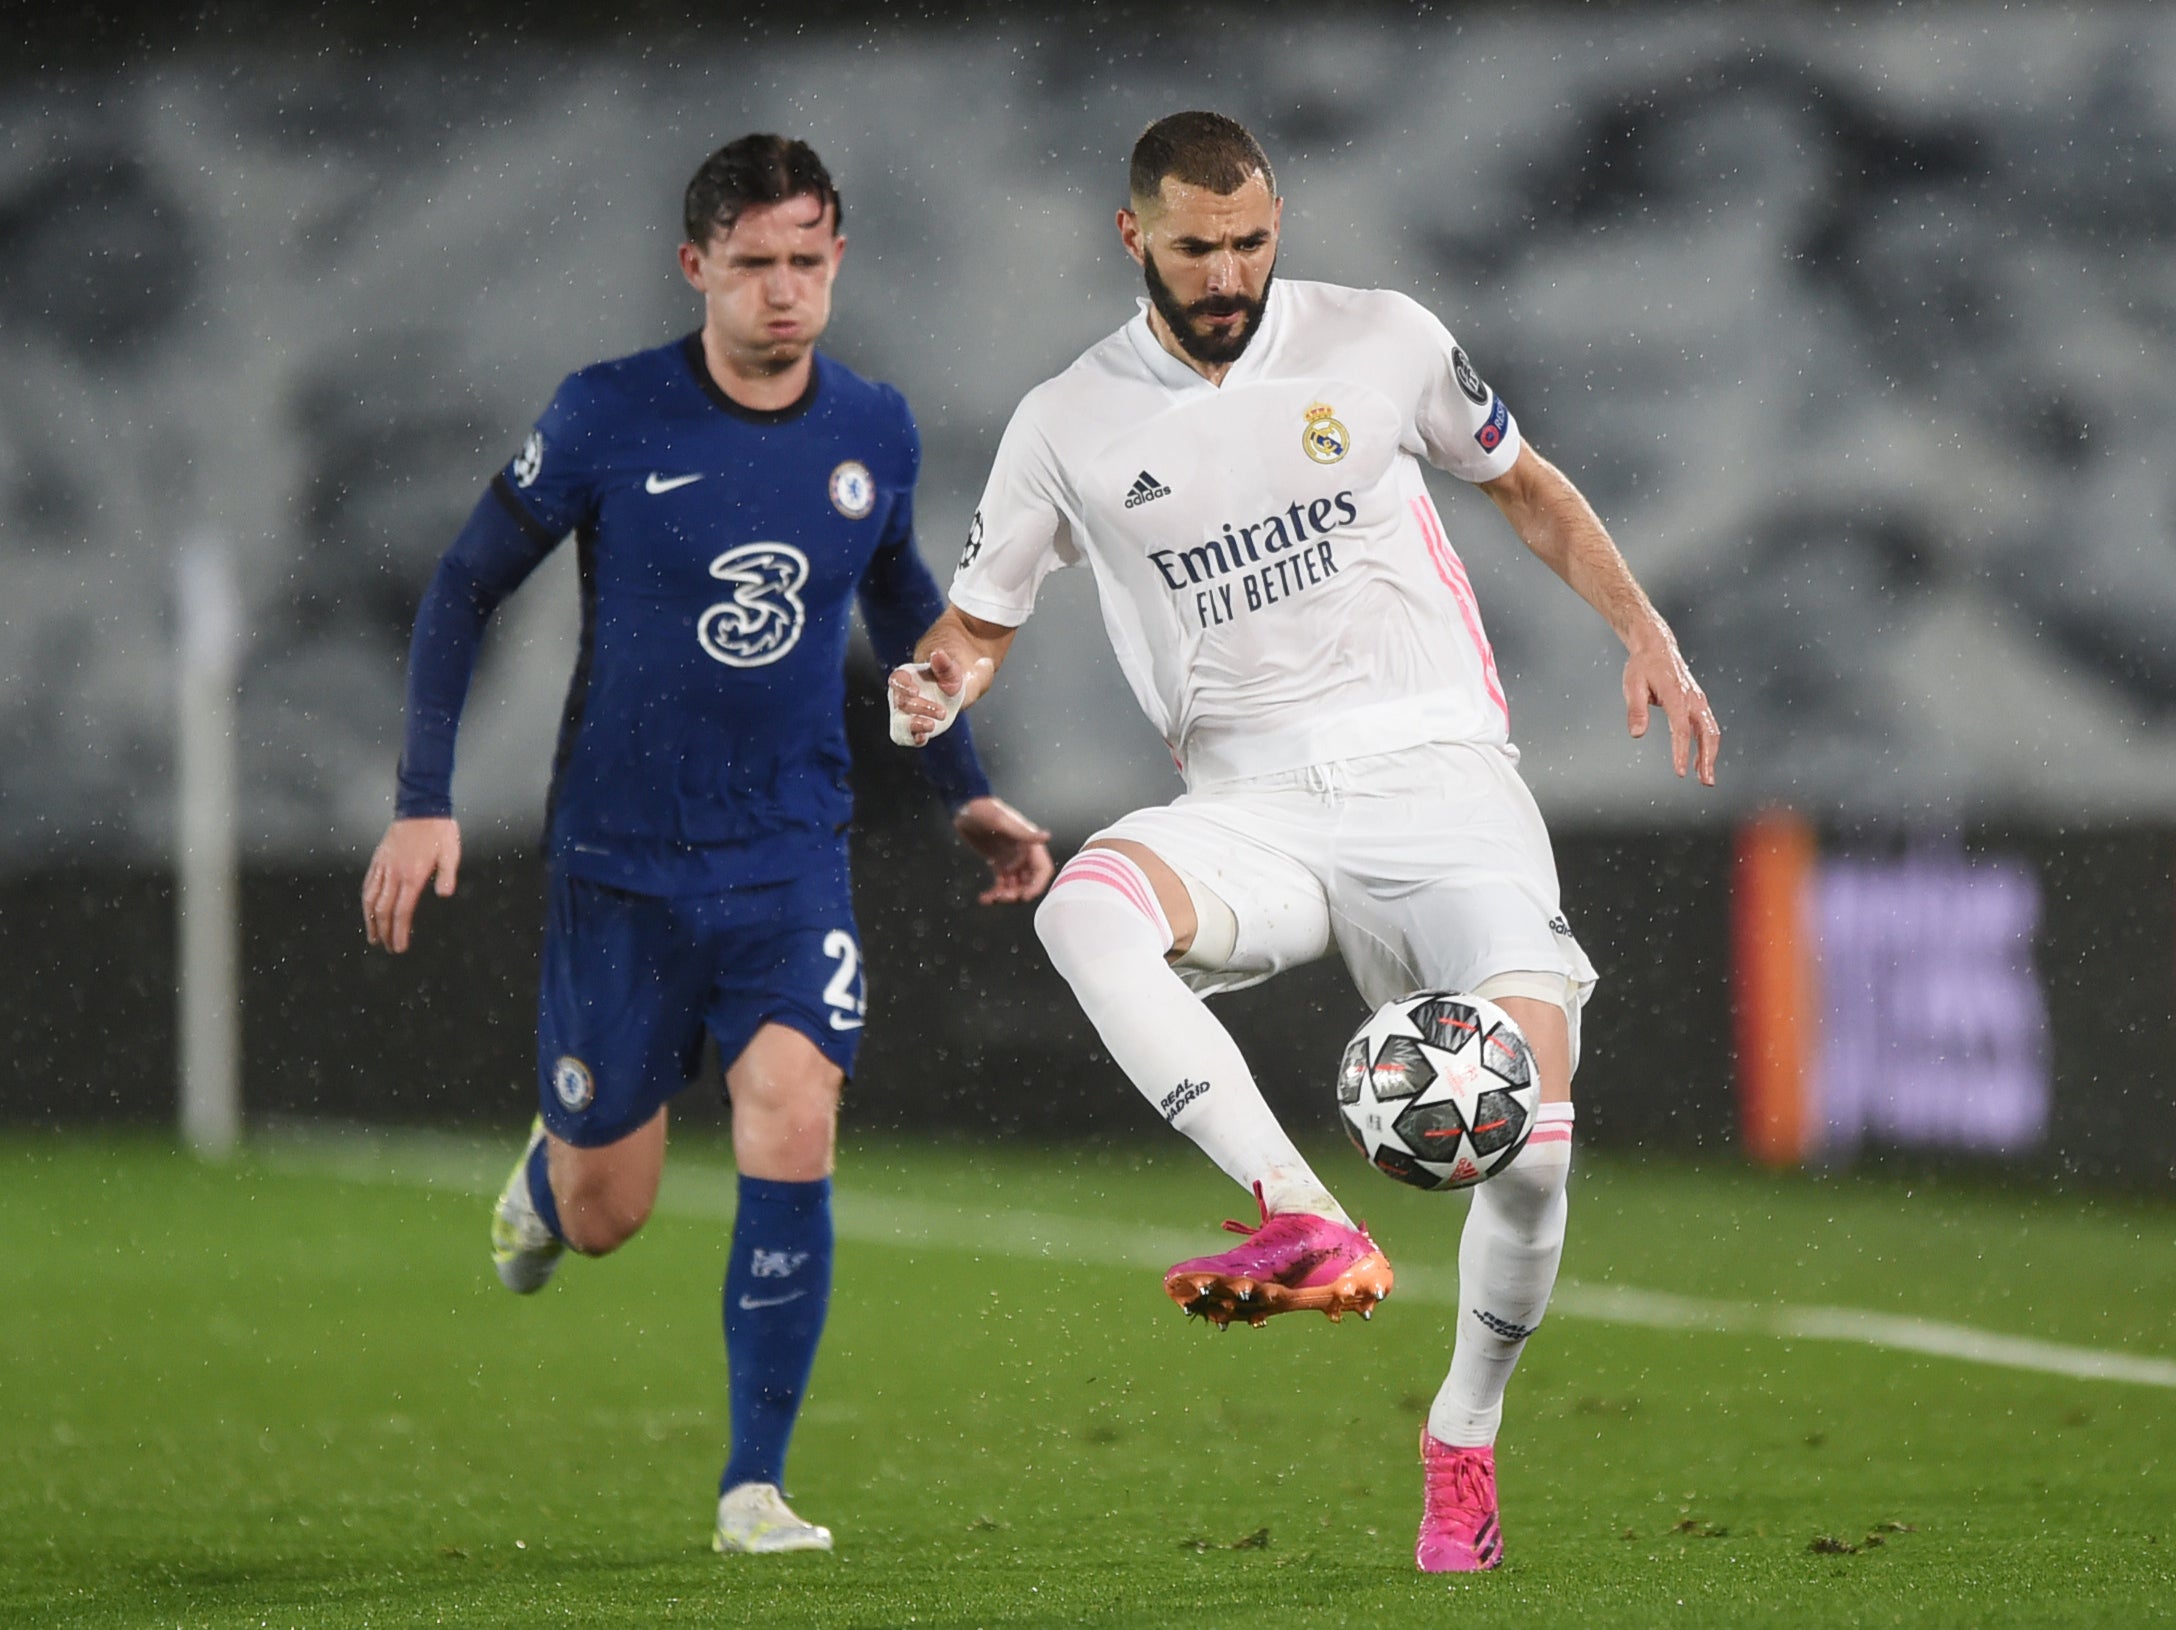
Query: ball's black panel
pixel 1499 1120
pixel 1353 1133
pixel 1505 1055
pixel 1401 1070
pixel 1397 1163
pixel 1353 1071
pixel 1431 1129
pixel 1446 1022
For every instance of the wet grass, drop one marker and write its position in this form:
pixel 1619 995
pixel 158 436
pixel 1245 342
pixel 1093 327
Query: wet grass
pixel 256 1395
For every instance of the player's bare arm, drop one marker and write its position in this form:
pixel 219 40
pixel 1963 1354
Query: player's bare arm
pixel 409 857
pixel 954 665
pixel 1017 849
pixel 1554 520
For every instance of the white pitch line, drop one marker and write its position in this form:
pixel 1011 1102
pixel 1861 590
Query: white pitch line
pixel 1974 1346
pixel 462 1165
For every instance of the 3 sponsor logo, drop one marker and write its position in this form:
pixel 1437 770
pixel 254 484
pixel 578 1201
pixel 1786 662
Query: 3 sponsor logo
pixel 657 484
pixel 1180 1096
pixel 1324 438
pixel 1146 489
pixel 763 619
pixel 529 463
pixel 571 1080
pixel 853 490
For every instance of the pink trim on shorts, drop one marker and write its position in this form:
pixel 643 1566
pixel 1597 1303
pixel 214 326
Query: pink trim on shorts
pixel 1553 1133
pixel 1452 571
pixel 1114 871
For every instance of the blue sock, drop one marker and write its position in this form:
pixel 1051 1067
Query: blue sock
pixel 777 1290
pixel 540 1189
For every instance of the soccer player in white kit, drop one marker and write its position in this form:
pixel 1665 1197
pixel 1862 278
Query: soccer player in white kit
pixel 1240 467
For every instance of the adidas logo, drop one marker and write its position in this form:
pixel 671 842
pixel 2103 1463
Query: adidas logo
pixel 1146 489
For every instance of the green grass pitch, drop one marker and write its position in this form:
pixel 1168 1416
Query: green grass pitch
pixel 289 1392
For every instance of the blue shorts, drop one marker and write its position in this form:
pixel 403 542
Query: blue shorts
pixel 632 981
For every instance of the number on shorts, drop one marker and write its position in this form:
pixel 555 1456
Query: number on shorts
pixel 839 993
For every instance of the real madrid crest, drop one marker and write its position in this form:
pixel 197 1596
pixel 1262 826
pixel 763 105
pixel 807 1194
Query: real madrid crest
pixel 1325 439
pixel 853 489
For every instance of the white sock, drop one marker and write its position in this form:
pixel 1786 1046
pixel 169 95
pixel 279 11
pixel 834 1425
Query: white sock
pixel 1507 1260
pixel 1108 936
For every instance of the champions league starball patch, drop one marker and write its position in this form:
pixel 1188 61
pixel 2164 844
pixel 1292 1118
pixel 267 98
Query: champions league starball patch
pixel 1324 438
pixel 1469 380
pixel 853 489
pixel 573 1082
pixel 531 461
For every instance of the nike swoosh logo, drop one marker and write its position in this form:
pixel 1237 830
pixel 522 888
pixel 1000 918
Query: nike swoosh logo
pixel 750 1303
pixel 839 1023
pixel 658 483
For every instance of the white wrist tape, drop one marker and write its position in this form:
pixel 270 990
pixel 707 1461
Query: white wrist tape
pixel 902 723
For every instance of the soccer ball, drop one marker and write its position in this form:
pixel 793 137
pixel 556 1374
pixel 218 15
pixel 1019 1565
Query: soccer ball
pixel 1438 1089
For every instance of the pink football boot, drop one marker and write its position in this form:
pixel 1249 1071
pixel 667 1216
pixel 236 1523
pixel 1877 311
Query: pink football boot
pixel 1458 1529
pixel 1290 1263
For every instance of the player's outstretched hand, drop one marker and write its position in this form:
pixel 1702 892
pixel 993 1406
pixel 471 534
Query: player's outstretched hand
pixel 410 854
pixel 1017 849
pixel 926 697
pixel 1655 676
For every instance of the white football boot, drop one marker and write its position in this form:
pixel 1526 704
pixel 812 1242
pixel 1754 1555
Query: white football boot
pixel 523 1250
pixel 754 1517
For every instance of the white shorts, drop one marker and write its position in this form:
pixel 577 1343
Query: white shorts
pixel 1429 867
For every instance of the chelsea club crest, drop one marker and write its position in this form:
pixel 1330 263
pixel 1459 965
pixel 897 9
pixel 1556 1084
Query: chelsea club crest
pixel 573 1082
pixel 1325 439
pixel 853 489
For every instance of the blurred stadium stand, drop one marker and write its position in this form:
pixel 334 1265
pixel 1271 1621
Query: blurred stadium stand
pixel 1853 322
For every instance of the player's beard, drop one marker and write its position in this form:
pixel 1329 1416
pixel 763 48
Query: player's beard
pixel 1213 350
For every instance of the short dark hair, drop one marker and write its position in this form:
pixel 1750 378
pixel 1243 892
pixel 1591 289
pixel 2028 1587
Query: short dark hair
pixel 757 169
pixel 1200 149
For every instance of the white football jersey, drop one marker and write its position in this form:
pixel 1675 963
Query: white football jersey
pixel 1276 583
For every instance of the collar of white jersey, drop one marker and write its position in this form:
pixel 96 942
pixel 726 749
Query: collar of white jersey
pixel 1174 374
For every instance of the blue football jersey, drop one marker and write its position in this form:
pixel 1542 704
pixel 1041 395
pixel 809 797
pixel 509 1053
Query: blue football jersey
pixel 721 548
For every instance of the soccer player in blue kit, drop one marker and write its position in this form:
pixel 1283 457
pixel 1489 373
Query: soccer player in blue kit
pixel 729 494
